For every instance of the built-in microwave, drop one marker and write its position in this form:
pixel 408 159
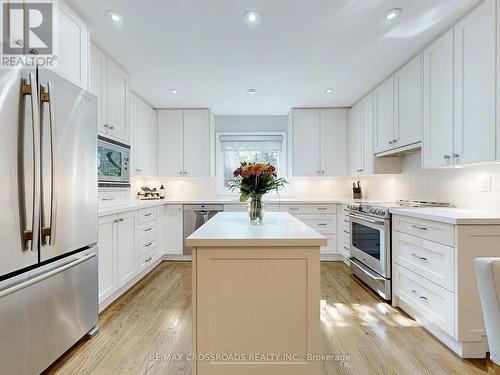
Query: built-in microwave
pixel 113 161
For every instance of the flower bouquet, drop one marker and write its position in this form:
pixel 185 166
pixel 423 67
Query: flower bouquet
pixel 254 180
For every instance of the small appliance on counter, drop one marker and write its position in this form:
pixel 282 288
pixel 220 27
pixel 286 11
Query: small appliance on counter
pixel 356 191
pixel 148 194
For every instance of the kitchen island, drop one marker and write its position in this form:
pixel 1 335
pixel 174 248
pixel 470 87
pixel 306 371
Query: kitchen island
pixel 256 296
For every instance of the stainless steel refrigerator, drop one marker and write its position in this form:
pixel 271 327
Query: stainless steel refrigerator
pixel 48 218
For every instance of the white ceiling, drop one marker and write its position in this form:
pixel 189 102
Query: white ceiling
pixel 205 49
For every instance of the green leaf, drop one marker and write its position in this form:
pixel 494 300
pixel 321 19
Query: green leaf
pixel 244 196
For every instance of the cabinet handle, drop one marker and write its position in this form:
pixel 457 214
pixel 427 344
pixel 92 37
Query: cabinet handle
pixel 148 260
pixel 321 208
pixel 346 221
pixel 359 170
pixel 148 214
pixel 148 230
pixel 322 224
pixel 446 157
pixel 293 209
pixel 148 244
pixel 418 257
pixel 345 231
pixel 111 127
pixel 419 228
pixel 121 219
pixel 345 247
pixel 424 298
pixel 108 199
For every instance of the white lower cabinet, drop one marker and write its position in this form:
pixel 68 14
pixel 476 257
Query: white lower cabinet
pixel 320 217
pixel 107 257
pixel 174 229
pixel 435 282
pixel 116 252
pixel 125 240
pixel 128 244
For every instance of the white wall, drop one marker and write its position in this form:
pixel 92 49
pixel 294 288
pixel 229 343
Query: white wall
pixel 251 123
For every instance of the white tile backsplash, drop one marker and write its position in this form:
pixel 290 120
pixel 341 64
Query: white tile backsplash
pixel 460 187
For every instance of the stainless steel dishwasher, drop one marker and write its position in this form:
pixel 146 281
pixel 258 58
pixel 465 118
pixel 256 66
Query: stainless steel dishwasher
pixel 195 215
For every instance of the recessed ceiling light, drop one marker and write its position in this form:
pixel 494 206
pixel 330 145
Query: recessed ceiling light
pixel 174 91
pixel 329 91
pixel 113 16
pixel 252 17
pixel 251 91
pixel 392 14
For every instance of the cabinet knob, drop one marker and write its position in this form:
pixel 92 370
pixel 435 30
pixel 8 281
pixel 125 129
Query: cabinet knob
pixel 322 172
pixel 394 141
pixel 111 127
pixel 180 173
pixel 456 156
pixel 391 142
pixel 446 157
pixel 185 173
pixel 106 125
pixel 138 170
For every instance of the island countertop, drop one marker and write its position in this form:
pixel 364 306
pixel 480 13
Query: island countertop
pixel 234 229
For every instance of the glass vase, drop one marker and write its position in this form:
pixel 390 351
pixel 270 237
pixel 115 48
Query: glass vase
pixel 256 209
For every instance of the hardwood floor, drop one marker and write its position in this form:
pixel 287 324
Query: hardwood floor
pixel 153 319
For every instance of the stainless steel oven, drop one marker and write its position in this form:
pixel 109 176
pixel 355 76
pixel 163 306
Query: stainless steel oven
pixel 370 247
pixel 113 161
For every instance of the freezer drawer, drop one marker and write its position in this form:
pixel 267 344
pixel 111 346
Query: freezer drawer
pixel 44 312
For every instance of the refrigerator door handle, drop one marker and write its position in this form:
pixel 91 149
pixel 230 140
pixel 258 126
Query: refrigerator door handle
pixel 37 279
pixel 46 97
pixel 29 89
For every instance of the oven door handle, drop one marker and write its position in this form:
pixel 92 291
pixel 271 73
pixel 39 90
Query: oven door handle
pixel 371 275
pixel 378 222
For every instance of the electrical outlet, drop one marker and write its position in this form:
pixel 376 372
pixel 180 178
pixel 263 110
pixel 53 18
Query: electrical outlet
pixel 486 184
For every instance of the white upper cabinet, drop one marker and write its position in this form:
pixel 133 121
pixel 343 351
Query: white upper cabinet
pixel 184 142
pixel 437 145
pixel 475 85
pixel 318 142
pixel 460 92
pixel 118 96
pixel 305 133
pixel 361 141
pixel 383 97
pixel 144 146
pixel 97 85
pixel 110 83
pixel 73 39
pixel 196 143
pixel 170 142
pixel 408 104
pixel 333 137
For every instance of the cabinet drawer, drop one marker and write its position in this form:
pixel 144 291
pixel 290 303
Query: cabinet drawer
pixel 146 230
pixel 147 259
pixel 433 302
pixel 430 230
pixel 147 214
pixel 345 242
pixel 326 224
pixel 434 261
pixel 146 245
pixel 308 208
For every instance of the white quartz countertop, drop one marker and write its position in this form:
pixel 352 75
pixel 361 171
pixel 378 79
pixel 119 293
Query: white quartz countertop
pixel 234 229
pixel 137 205
pixel 457 216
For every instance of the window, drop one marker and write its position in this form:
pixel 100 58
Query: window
pixel 233 148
